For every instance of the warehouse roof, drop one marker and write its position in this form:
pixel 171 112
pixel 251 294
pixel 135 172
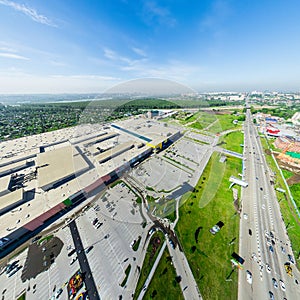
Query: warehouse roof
pixel 11 198
pixel 4 183
pixel 114 151
pixel 58 164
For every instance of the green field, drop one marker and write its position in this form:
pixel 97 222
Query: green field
pixel 287 174
pixel 232 141
pixel 207 188
pixel 213 123
pixel 295 190
pixel 210 257
pixel 163 284
pixel 225 123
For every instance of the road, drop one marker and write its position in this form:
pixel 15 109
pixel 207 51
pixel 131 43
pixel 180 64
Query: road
pixel 188 283
pixel 83 262
pixel 260 216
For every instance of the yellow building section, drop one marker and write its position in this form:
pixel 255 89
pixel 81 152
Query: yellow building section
pixel 159 145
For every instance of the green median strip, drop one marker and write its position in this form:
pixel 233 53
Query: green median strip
pixel 164 278
pixel 155 244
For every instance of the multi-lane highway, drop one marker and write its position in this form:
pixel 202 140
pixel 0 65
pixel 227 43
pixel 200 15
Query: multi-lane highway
pixel 264 243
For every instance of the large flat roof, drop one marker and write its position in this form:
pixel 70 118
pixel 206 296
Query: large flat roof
pixel 12 166
pixel 4 183
pixel 58 164
pixel 11 198
pixel 115 151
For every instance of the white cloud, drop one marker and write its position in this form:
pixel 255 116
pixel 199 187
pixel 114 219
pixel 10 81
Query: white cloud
pixel 139 51
pixel 16 81
pixel 153 13
pixel 173 69
pixel 220 11
pixel 87 76
pixel 112 55
pixel 58 63
pixel 7 49
pixel 30 12
pixel 143 67
pixel 13 56
pixel 123 60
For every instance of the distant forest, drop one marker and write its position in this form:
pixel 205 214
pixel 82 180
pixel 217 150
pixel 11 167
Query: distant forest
pixel 26 119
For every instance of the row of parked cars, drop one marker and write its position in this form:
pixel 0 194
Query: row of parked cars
pixel 96 223
pixel 12 268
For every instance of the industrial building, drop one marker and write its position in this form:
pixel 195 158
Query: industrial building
pixel 58 166
pixel 4 185
pixel 111 153
pixel 105 154
pixel 10 201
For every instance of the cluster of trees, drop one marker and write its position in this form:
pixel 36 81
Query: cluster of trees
pixel 281 112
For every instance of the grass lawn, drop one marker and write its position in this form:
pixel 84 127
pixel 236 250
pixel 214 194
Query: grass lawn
pixel 189 119
pixel 22 297
pixel 127 271
pixel 206 119
pixel 290 217
pixel 163 284
pixel 295 190
pixel 207 188
pixel 287 174
pixel 149 260
pixel 233 140
pixel 196 125
pixel 225 123
pixel 209 258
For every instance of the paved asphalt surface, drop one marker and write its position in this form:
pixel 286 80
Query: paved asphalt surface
pixel 83 262
pixel 263 216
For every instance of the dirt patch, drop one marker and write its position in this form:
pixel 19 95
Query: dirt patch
pixel 294 179
pixel 268 151
pixel 217 112
pixel 284 165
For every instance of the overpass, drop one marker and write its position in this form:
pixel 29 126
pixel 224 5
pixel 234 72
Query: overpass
pixel 229 152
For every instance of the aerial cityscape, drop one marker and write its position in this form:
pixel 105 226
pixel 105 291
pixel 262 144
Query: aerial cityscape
pixel 149 150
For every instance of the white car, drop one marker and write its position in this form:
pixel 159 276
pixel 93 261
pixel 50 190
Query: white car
pixel 215 229
pixel 268 268
pixel 245 216
pixel 254 256
pixel 282 285
pixel 249 277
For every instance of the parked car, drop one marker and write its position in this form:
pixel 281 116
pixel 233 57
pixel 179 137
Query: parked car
pixel 89 249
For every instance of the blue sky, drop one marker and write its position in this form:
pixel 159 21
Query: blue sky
pixel 210 45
